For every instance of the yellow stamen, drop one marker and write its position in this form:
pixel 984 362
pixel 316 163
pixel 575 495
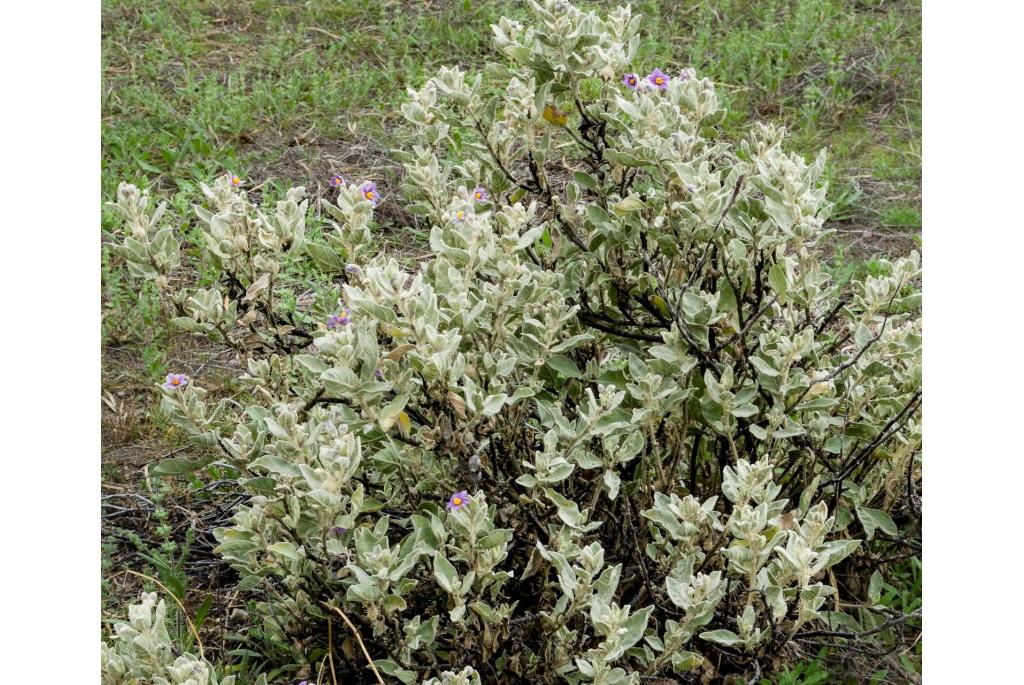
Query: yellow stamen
pixel 457 501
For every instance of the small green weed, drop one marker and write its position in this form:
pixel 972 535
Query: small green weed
pixel 811 672
pixel 902 217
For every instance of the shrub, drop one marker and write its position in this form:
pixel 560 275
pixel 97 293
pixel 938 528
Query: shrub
pixel 620 423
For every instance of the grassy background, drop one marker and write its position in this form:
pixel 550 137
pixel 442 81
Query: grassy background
pixel 294 91
pixel 288 93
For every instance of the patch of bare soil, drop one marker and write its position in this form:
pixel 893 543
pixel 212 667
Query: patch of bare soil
pixel 862 241
pixel 308 160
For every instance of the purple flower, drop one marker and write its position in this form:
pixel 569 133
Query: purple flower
pixel 460 215
pixel 683 76
pixel 658 79
pixel 339 319
pixel 339 530
pixel 631 80
pixel 236 180
pixel 369 191
pixel 176 380
pixel 337 181
pixel 458 500
pixel 480 195
pixel 353 270
pixel 379 374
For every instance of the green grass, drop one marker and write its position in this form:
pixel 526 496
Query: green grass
pixel 295 91
pixel 906 217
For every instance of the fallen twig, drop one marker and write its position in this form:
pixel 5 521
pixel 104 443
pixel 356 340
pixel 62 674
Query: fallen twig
pixel 359 639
